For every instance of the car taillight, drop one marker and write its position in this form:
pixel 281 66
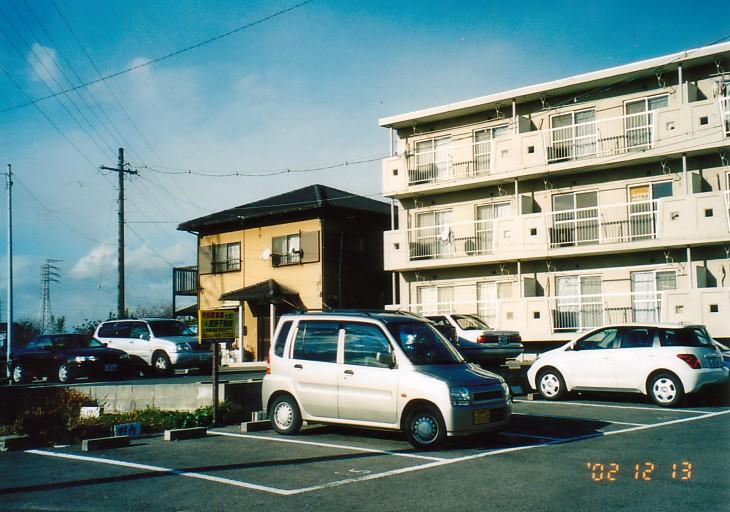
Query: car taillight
pixel 691 360
pixel 481 339
pixel 268 364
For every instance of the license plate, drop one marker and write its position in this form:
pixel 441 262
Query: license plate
pixel 481 416
pixel 110 367
pixel 714 362
pixel 204 356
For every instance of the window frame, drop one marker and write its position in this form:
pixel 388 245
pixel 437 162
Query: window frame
pixel 343 336
pixel 291 256
pixel 220 265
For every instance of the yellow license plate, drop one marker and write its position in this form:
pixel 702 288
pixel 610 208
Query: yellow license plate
pixel 481 416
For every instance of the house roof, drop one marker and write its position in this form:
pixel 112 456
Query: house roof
pixel 565 86
pixel 311 199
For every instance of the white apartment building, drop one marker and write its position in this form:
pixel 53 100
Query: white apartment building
pixel 558 207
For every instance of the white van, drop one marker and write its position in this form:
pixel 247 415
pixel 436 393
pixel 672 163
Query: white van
pixel 383 370
pixel 160 344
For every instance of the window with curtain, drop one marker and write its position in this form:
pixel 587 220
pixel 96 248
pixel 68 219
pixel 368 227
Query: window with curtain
pixel 639 121
pixel 579 304
pixel 484 229
pixel 573 135
pixel 434 300
pixel 226 257
pixel 575 219
pixel 646 296
pixel 431 160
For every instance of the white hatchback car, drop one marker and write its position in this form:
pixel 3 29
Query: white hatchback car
pixel 662 361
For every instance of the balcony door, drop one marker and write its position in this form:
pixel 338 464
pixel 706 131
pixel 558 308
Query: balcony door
pixel 432 160
pixel 483 147
pixel 575 219
pixel 579 305
pixel 434 300
pixel 433 235
pixel 484 229
pixel 639 121
pixel 488 296
pixel 646 296
pixel 643 208
pixel 573 135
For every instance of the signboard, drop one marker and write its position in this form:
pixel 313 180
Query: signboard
pixel 217 325
pixel 133 430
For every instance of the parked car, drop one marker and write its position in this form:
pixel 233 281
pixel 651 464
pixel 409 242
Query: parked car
pixel 159 344
pixel 663 361
pixel 383 370
pixel 65 357
pixel 477 342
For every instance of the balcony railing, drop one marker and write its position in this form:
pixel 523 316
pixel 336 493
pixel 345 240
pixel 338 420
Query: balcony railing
pixel 585 312
pixel 455 161
pixel 606 224
pixel 470 238
pixel 185 281
pixel 612 136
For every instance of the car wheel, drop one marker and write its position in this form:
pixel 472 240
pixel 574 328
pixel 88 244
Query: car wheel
pixel 666 390
pixel 551 385
pixel 425 428
pixel 285 416
pixel 161 364
pixel 19 375
pixel 64 375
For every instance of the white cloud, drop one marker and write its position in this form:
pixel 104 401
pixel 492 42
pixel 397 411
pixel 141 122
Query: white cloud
pixel 43 63
pixel 91 263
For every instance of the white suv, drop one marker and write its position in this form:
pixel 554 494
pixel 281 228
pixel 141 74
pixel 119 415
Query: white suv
pixel 382 370
pixel 663 361
pixel 161 344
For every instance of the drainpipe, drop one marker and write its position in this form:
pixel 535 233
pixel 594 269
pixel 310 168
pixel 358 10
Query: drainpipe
pixel 272 322
pixel 517 197
pixel 240 331
pixel 390 140
pixel 685 174
pixel 519 278
pixel 680 86
pixel 689 269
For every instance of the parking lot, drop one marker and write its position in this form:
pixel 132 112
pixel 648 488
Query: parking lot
pixel 591 451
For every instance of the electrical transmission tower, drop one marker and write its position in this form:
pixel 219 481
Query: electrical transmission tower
pixel 49 274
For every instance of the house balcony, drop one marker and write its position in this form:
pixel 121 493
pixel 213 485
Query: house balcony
pixel 694 219
pixel 461 165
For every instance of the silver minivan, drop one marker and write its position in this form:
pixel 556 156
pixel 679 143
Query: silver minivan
pixel 158 344
pixel 382 370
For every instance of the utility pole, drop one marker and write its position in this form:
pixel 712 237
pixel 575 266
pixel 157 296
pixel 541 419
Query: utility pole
pixel 121 170
pixel 9 330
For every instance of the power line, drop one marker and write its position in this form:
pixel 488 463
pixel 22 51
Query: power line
pixel 161 58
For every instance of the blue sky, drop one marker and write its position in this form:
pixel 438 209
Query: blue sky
pixel 302 90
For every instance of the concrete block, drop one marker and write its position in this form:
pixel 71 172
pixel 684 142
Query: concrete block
pixel 255 426
pixel 533 396
pixel 179 434
pixel 104 443
pixel 10 443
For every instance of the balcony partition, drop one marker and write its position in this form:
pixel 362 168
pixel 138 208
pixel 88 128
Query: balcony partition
pixel 725 111
pixel 576 313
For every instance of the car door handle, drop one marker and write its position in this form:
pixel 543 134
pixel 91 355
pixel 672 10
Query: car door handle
pixel 349 372
pixel 298 366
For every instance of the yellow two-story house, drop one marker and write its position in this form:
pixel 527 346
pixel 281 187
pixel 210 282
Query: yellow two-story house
pixel 562 206
pixel 312 248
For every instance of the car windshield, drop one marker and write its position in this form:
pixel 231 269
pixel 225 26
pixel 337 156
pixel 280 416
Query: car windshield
pixel 162 328
pixel 423 344
pixel 75 341
pixel 689 337
pixel 470 322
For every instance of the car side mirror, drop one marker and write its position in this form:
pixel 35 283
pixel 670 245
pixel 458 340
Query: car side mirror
pixel 386 359
pixel 144 336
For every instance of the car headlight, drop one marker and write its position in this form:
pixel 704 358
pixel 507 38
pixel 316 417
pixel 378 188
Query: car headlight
pixel 81 359
pixel 505 388
pixel 124 356
pixel 183 347
pixel 460 396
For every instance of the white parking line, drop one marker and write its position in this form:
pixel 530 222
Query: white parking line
pixel 515 434
pixel 532 415
pixel 635 408
pixel 373 476
pixel 327 445
pixel 158 469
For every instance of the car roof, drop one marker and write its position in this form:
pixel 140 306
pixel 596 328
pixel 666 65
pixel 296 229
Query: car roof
pixel 387 316
pixel 653 325
pixel 141 320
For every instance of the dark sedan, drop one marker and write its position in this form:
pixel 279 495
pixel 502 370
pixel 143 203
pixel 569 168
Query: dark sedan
pixel 65 357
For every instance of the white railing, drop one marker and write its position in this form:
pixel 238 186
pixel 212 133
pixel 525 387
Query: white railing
pixel 470 238
pixel 487 310
pixel 612 136
pixel 455 161
pixel 727 206
pixel 606 224
pixel 725 112
pixel 585 312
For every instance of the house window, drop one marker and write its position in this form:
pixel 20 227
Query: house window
pixel 489 295
pixel 646 293
pixel 226 257
pixel 431 160
pixel 432 237
pixel 579 303
pixel 573 135
pixel 286 250
pixel 485 224
pixel 483 146
pixel 639 121
pixel 434 300
pixel 643 208
pixel 575 219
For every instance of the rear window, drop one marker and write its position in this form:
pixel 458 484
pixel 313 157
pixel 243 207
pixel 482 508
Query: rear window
pixel 690 337
pixel 423 344
pixel 316 341
pixel 163 328
pixel 280 340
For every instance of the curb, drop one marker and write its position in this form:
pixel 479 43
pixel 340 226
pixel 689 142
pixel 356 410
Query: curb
pixel 12 443
pixel 179 434
pixel 256 426
pixel 101 443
